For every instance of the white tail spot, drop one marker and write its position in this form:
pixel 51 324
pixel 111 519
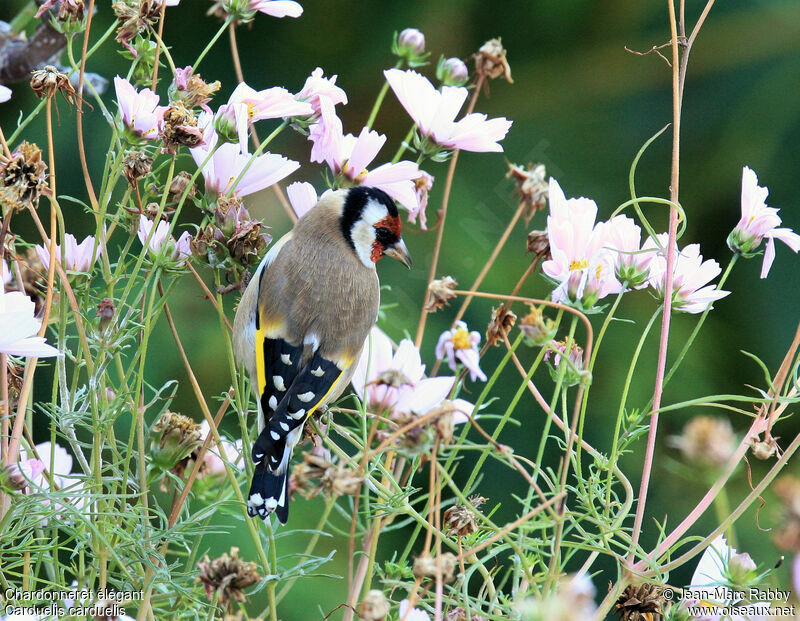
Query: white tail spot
pixel 284 426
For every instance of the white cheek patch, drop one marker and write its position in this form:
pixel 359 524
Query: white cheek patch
pixel 363 231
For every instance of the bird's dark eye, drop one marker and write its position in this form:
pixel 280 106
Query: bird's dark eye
pixel 383 235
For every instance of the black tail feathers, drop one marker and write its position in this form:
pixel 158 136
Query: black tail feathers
pixel 269 492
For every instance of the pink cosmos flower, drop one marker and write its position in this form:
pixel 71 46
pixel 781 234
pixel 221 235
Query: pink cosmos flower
pixel 61 462
pixel 19 326
pixel 318 89
pixel 434 112
pixel 631 260
pixel 461 345
pixel 384 381
pixel 75 257
pixel 277 8
pixel 758 222
pixel 139 109
pixel 414 614
pixel 5 93
pixel 350 156
pixel 215 466
pixel 270 103
pixel 581 261
pixel 691 292
pixel 422 185
pixel 302 197
pixel 228 161
pixel 175 251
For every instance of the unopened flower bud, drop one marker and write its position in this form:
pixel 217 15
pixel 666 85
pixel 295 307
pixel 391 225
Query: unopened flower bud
pixel 137 164
pixel 227 121
pixel 742 570
pixel 174 437
pixel 573 373
pixel 452 71
pixel 410 42
pixel 374 606
pixel 440 292
pixel 105 312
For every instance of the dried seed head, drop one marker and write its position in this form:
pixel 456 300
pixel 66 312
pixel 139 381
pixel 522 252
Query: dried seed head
pixel 764 449
pixel 48 81
pixel 392 377
pixel 426 566
pixel 374 606
pixel 105 312
pixel 503 319
pixel 135 16
pixel 539 245
pixel 491 62
pixel 175 436
pixel 707 442
pixel 137 164
pixel 248 242
pixel 23 178
pixel 226 577
pixel 151 212
pixel 537 328
pixel 461 520
pixel 316 474
pixel 182 183
pixel 640 603
pixel 459 614
pixel 229 213
pixel 530 187
pixel 71 9
pixel 440 292
pixel 444 424
pixel 180 128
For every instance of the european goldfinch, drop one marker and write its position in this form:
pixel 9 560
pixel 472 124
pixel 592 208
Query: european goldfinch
pixel 303 320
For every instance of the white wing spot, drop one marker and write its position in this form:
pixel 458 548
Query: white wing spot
pixel 284 426
pixel 313 340
pixel 259 455
pixel 285 359
pixel 271 504
pixel 278 381
pixel 318 372
pixel 256 500
pixel 275 435
pixel 306 396
pixel 273 402
pixel 298 415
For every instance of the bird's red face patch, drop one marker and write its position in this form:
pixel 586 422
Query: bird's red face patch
pixel 387 232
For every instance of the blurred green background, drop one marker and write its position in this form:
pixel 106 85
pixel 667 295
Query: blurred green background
pixel 583 106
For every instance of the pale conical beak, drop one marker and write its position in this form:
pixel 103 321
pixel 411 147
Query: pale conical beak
pixel 400 252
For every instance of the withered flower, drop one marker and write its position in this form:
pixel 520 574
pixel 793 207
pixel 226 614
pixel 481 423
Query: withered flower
pixel 48 81
pixel 706 442
pixel 537 328
pixel 175 436
pixel 105 312
pixel 67 9
pixel 192 90
pixel 503 319
pixel 316 474
pixel 459 614
pixel 227 576
pixel 641 603
pixel 180 128
pixel 426 566
pixel 135 16
pixel 530 187
pixel 230 212
pixel 440 292
pixel 137 164
pixel 539 245
pixel 182 183
pixel 151 211
pixel 23 178
pixel 460 520
pixel 374 606
pixel 764 449
pixel 491 62
pixel 248 242
pixel 444 424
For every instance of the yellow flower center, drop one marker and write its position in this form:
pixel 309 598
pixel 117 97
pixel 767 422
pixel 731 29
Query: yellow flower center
pixel 578 264
pixel 461 339
pixel 251 111
pixel 359 177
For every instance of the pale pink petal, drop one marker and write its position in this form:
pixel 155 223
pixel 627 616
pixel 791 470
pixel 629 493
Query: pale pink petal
pixel 769 257
pixel 302 197
pixel 475 133
pixel 788 237
pixel 277 8
pixel 464 411
pixel 365 149
pixel 416 94
pixel 5 93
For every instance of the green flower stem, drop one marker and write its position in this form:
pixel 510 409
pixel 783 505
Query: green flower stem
pixel 621 410
pixel 404 145
pixel 379 100
pixel 210 44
